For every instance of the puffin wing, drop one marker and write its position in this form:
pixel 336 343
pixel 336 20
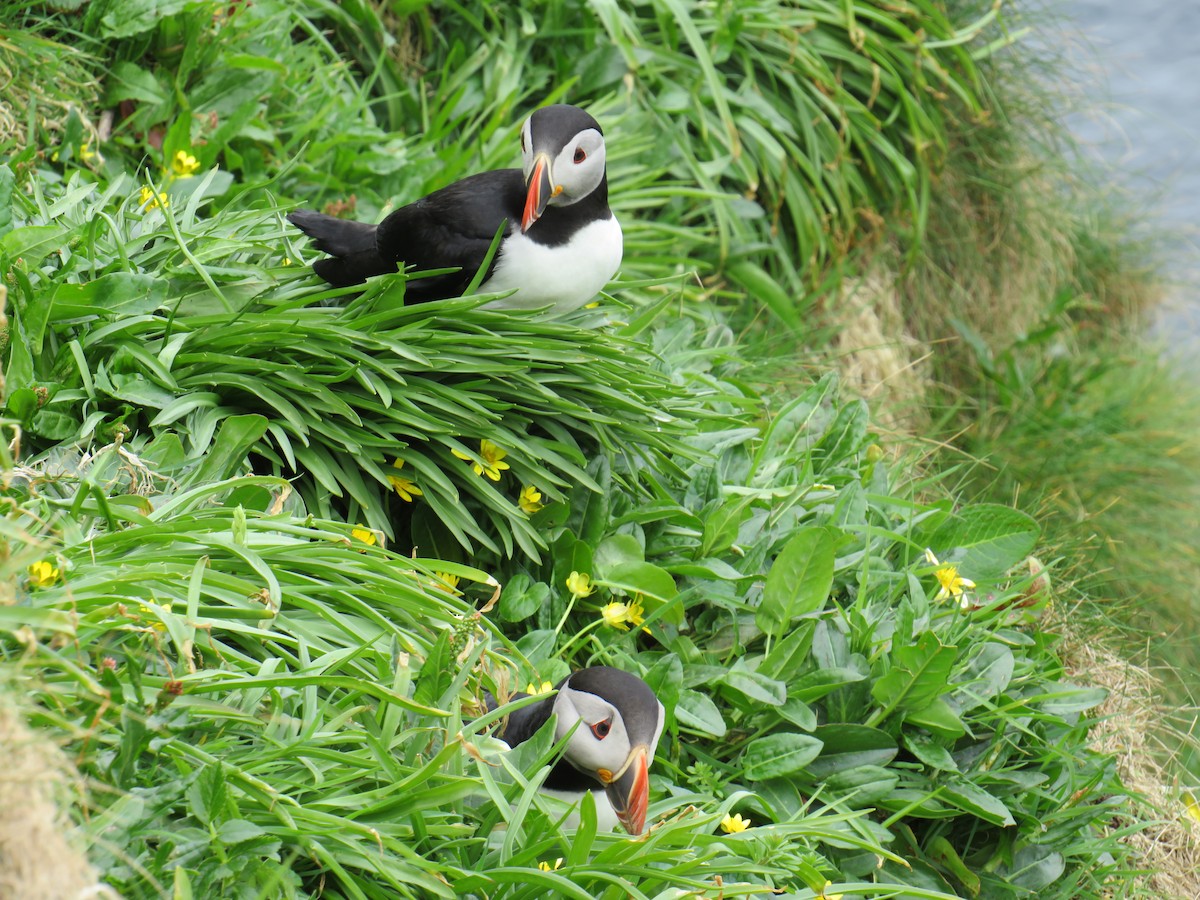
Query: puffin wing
pixel 452 227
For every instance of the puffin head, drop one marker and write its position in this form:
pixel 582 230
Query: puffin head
pixel 620 721
pixel 562 156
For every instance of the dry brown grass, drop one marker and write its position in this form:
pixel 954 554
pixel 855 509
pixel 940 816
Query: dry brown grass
pixel 1134 728
pixel 877 357
pixel 38 857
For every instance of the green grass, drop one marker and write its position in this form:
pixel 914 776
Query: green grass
pixel 265 700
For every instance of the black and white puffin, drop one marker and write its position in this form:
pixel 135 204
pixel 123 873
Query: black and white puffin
pixel 562 243
pixel 620 721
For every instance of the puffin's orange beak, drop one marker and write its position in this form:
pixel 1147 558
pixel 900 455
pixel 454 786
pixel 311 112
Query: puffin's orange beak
pixel 629 793
pixel 540 190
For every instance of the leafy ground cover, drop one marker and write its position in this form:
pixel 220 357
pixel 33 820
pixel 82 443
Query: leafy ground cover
pixel 268 543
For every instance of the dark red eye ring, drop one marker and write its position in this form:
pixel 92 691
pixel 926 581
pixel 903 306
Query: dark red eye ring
pixel 580 155
pixel 601 729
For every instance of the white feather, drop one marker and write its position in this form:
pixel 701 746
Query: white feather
pixel 564 277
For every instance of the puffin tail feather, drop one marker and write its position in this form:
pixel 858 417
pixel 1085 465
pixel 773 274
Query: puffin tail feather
pixel 351 245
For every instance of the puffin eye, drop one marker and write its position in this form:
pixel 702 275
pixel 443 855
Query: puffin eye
pixel 580 156
pixel 601 729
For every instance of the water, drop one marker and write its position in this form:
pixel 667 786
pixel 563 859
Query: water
pixel 1142 63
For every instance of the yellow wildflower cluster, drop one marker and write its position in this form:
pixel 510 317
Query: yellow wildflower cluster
pixel 545 688
pixel 183 165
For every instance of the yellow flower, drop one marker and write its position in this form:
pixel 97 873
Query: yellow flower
pixel 546 687
pixel 530 500
pixel 184 165
pixel 43 574
pixel 158 625
pixel 616 615
pixel 824 895
pixel 492 457
pixel 364 534
pixel 734 824
pixel 579 584
pixel 952 584
pixel 444 581
pixel 635 615
pixel 546 867
pixel 86 153
pixel 405 488
pixel 1192 805
pixel 150 200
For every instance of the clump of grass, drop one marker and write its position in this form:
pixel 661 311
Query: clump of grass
pixel 49 87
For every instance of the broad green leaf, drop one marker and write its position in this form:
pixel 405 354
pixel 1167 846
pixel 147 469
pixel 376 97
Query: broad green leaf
pixel 820 682
pixel 939 718
pixel 1036 867
pixel 521 598
pixel 992 539
pixel 227 455
pixel 31 243
pixel 930 752
pixel 799 580
pixel 918 676
pixel 234 831
pixel 614 551
pixel 116 294
pixel 666 680
pixel 697 712
pixel 536 646
pixel 975 800
pixel 848 746
pixel 1071 699
pixel 765 289
pixel 437 671
pixel 756 687
pixel 790 654
pixel 777 755
pixel 986 675
pixel 799 714
pixel 207 794
pixel 942 851
pixel 863 785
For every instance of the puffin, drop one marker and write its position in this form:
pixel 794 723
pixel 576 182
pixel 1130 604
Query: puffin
pixel 561 242
pixel 619 723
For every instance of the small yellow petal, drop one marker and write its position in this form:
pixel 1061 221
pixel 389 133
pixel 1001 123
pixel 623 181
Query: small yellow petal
pixel 364 534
